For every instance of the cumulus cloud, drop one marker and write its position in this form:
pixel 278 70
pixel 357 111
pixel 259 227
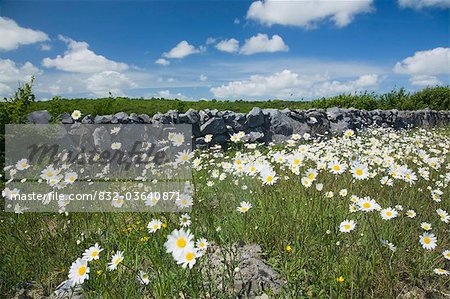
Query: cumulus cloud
pixel 307 13
pixel 203 77
pixel 166 94
pixel 287 83
pixel 162 61
pixel 13 35
pixel 419 4
pixel 228 45
pixel 80 59
pixel 181 50
pixel 11 74
pixel 425 66
pixel 262 43
pixel 101 84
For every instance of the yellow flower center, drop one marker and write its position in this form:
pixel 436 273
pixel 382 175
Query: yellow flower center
pixel 366 205
pixel 181 242
pixel 82 270
pixel 347 226
pixel 311 176
pixel 94 253
pixel 389 213
pixel 244 209
pixel 296 161
pixel 359 171
pixel 270 178
pixel 190 256
pixel 336 167
pixel 426 240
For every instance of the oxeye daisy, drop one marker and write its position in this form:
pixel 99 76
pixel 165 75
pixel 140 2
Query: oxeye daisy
pixel 388 213
pixel 411 213
pixel 79 272
pixel 343 192
pixel 154 225
pixel 360 171
pixel 143 277
pixel 22 164
pixel 76 114
pixel 428 241
pixel 202 244
pixel 440 271
pixel 187 257
pixel 368 205
pixel 116 145
pixel 446 254
pixel 116 259
pixel 185 220
pixel 244 207
pixel 178 241
pixel 92 253
pixel 443 215
pixel 426 226
pixel 347 226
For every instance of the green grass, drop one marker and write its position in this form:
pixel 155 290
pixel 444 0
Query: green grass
pixel 41 247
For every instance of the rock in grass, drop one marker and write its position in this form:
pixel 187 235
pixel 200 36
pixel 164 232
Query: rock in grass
pixel 251 275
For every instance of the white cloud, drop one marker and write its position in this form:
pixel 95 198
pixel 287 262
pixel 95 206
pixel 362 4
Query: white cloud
pixel 262 43
pixel 45 47
pixel 203 77
pixel 419 4
pixel 425 66
pixel 101 84
pixel 286 83
pixel 236 21
pixel 13 35
pixel 424 80
pixel 228 45
pixel 210 40
pixel 170 80
pixel 181 50
pixel 80 59
pixel 11 74
pixel 307 13
pixel 162 61
pixel 166 94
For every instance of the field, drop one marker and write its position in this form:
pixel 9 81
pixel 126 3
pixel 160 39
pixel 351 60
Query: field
pixel 364 215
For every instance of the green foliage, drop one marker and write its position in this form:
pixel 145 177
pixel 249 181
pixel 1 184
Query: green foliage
pixel 436 98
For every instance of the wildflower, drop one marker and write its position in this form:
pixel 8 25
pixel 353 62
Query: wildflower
pixel 288 248
pixel 116 259
pixel 444 215
pixel 79 272
pixel 244 207
pixel 368 205
pixel 187 257
pixel 116 145
pixel 343 192
pixel 154 225
pixel 92 253
pixel 428 241
pixel 389 213
pixel 22 164
pixel 185 220
pixel 143 277
pixel 202 244
pixel 178 241
pixel 440 271
pixel 347 226
pixel 76 114
pixel 411 213
pixel 208 138
pixel 446 254
pixel 340 279
pixel 184 156
pixel 360 171
pixel 426 226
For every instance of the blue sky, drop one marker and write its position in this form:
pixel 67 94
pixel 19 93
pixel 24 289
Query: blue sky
pixel 223 49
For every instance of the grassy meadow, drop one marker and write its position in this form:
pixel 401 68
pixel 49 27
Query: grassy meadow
pixel 364 215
